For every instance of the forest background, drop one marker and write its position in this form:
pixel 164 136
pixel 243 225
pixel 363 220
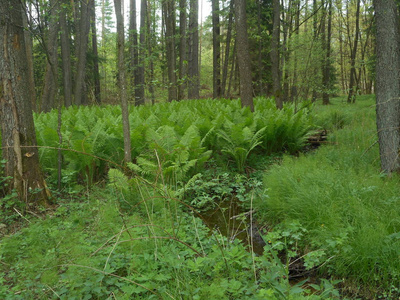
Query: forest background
pixel 159 162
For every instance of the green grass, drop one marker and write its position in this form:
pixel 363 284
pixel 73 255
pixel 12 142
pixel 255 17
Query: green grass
pixel 337 194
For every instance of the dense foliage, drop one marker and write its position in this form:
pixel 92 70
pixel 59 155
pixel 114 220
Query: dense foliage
pixel 177 138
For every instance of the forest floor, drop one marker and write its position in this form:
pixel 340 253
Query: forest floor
pixel 321 224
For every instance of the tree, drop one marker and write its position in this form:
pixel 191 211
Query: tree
pixel 216 49
pixel 65 54
pixel 244 61
pixel 17 127
pixel 387 83
pixel 50 83
pixel 193 56
pixel 81 49
pixel 122 80
pixel 276 73
pixel 353 80
pixel 168 7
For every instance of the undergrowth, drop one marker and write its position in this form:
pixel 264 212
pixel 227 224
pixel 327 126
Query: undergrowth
pixel 349 210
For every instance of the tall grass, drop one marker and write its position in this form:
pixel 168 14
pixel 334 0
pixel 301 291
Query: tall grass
pixel 350 210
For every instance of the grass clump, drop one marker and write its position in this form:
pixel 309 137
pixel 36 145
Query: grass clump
pixel 349 210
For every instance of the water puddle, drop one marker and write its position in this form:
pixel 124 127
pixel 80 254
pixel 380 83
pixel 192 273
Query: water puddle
pixel 229 219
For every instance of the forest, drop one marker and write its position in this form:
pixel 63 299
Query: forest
pixel 151 151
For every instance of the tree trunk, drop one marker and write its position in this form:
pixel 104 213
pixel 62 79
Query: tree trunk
pixel 17 127
pixel 81 49
pixel 387 83
pixel 276 74
pixel 122 80
pixel 182 49
pixel 243 54
pixel 193 59
pixel 29 55
pixel 216 49
pixel 50 81
pixel 353 85
pixel 96 73
pixel 133 50
pixel 228 48
pixel 169 15
pixel 326 72
pixel 142 53
pixel 150 34
pixel 65 55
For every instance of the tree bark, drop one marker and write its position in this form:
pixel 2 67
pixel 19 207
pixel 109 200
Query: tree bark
pixel 51 75
pixel 276 74
pixel 81 49
pixel 29 55
pixel 244 61
pixel 122 80
pixel 228 49
pixel 326 71
pixel 142 53
pixel 182 49
pixel 65 55
pixel 216 49
pixel 96 73
pixel 387 83
pixel 169 16
pixel 353 80
pixel 17 127
pixel 193 59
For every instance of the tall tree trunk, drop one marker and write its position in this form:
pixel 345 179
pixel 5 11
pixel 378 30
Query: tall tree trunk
pixel 150 34
pixel 216 49
pixel 227 49
pixel 353 80
pixel 193 59
pixel 326 72
pixel 29 55
pixel 169 16
pixel 81 49
pixel 122 81
pixel 65 55
pixel 133 50
pixel 276 73
pixel 142 54
pixel 244 61
pixel 96 73
pixel 182 49
pixel 51 75
pixel 387 83
pixel 17 127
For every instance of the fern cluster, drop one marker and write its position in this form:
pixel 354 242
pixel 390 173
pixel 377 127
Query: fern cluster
pixel 169 139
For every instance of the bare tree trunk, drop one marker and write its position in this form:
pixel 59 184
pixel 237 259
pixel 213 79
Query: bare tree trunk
pixel 96 74
pixel 182 49
pixel 227 49
pixel 150 34
pixel 65 55
pixel 353 80
pixel 29 55
pixel 169 13
pixel 387 83
pixel 142 54
pixel 326 72
pixel 81 49
pixel 50 82
pixel 193 62
pixel 122 80
pixel 216 49
pixel 244 61
pixel 276 74
pixel 17 127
